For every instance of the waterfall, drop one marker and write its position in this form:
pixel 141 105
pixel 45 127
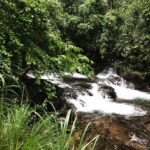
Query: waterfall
pixel 123 89
pixel 99 102
pixel 107 93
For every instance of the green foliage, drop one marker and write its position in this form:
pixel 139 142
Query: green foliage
pixel 24 128
pixel 30 37
pixel 111 33
pixel 96 29
pixel 133 43
pixel 10 87
pixel 19 130
pixel 55 34
pixel 67 36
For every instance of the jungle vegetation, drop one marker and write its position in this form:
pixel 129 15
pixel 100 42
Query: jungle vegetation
pixel 63 36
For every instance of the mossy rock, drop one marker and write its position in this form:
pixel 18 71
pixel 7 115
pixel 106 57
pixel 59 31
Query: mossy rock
pixel 134 75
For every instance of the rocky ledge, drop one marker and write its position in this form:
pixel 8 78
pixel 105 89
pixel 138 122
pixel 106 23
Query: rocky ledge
pixel 116 132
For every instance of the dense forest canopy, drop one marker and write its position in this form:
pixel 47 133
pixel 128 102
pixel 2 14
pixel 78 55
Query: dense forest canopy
pixel 111 31
pixel 30 37
pixel 55 34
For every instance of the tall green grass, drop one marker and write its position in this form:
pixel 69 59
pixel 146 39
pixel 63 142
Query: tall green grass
pixel 22 128
pixel 19 131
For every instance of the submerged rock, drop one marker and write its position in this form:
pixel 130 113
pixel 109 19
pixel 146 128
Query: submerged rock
pixel 109 91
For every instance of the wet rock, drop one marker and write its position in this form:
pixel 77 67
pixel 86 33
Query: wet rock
pixel 136 146
pixel 141 81
pixel 35 90
pixel 137 143
pixel 73 79
pixel 118 132
pixel 70 93
pixel 108 90
pixel 82 85
pixel 147 126
pixel 115 79
pixel 134 75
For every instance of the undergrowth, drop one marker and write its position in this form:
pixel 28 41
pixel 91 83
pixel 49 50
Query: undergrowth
pixel 19 130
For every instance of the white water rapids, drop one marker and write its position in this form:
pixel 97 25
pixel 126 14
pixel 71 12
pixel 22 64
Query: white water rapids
pixel 100 102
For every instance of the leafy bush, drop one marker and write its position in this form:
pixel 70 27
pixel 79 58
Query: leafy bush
pixel 30 37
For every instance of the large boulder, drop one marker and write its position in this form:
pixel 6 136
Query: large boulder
pixel 109 91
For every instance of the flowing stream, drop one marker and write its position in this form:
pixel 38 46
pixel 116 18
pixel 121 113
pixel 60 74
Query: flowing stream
pixel 100 102
pixel 97 99
pixel 119 113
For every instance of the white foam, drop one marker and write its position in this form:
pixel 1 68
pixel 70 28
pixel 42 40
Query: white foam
pixel 99 101
pixel 30 75
pixel 106 73
pixel 76 75
pixel 130 94
pixel 122 89
pixel 55 79
pixel 96 103
pixel 52 78
pixel 102 76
